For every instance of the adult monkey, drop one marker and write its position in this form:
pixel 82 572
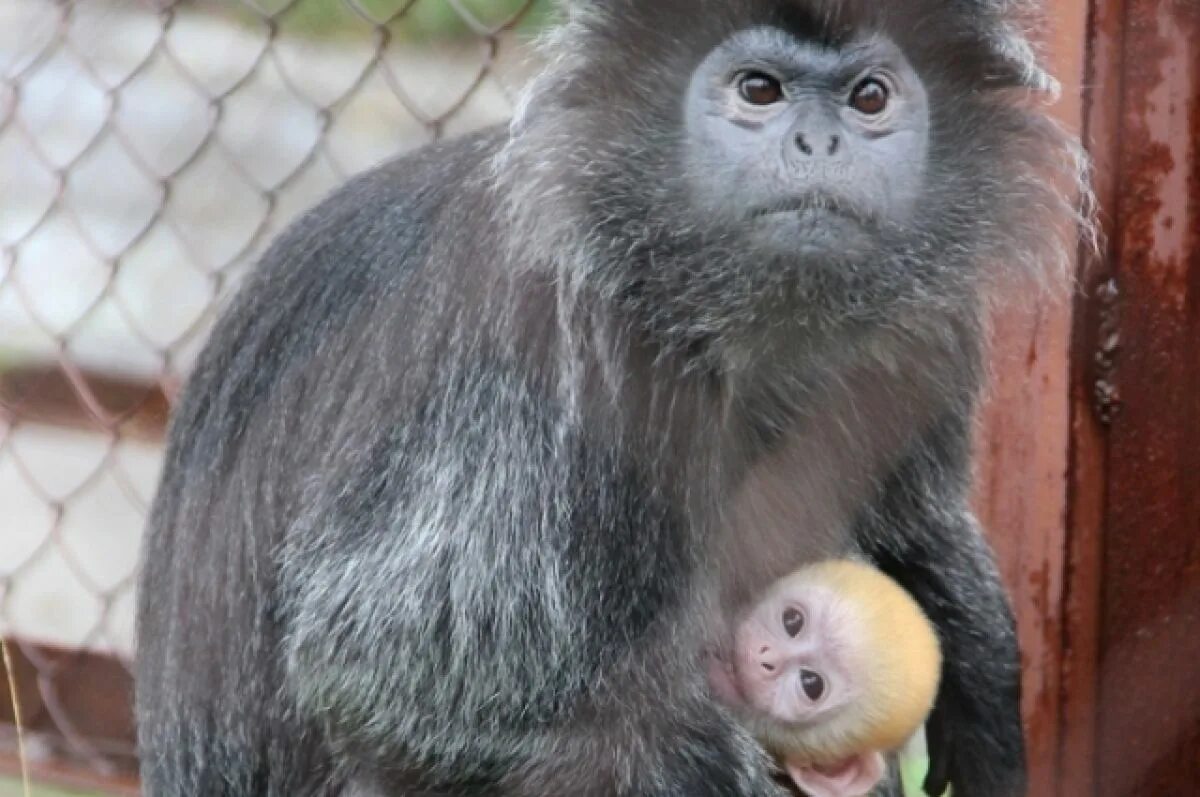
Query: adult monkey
pixel 491 436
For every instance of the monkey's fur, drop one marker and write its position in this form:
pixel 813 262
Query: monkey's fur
pixel 896 656
pixel 490 435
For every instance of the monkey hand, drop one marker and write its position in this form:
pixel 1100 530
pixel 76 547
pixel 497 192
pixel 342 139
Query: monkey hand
pixel 972 761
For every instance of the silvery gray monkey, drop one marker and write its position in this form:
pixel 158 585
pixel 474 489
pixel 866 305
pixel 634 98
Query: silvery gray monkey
pixel 492 436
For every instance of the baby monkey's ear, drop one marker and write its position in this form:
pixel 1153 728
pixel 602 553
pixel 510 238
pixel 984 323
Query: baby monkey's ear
pixel 854 777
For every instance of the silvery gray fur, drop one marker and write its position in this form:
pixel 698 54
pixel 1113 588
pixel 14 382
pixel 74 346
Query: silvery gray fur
pixel 500 434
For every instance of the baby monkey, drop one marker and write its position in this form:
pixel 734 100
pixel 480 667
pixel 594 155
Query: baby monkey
pixel 834 667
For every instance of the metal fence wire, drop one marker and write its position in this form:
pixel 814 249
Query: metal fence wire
pixel 148 151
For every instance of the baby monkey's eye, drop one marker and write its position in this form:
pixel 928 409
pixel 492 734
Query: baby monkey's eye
pixel 758 88
pixel 813 684
pixel 870 97
pixel 793 621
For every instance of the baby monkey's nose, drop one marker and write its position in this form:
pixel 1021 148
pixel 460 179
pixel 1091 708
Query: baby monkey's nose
pixel 766 658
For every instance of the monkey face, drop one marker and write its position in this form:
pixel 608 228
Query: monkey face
pixel 791 657
pixel 729 167
pixel 808 149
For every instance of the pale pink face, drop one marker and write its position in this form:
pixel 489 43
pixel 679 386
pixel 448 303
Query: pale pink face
pixel 790 654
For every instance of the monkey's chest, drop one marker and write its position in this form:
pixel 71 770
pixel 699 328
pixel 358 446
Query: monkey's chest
pixel 798 502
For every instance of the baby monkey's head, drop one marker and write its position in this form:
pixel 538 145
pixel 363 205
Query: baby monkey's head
pixel 833 667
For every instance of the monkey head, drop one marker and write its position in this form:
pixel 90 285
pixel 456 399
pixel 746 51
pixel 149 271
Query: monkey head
pixel 834 666
pixel 813 150
pixel 713 164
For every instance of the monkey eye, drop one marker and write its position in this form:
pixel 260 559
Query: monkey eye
pixel 813 684
pixel 870 97
pixel 793 621
pixel 758 88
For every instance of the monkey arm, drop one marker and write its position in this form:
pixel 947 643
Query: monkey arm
pixel 381 552
pixel 483 598
pixel 922 534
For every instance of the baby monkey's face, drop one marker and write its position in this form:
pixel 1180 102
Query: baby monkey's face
pixel 792 653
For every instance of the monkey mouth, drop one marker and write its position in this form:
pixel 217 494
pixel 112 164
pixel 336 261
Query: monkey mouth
pixel 816 206
pixel 837 769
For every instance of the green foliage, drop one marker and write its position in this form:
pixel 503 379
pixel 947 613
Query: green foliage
pixel 411 20
pixel 912 774
pixel 11 787
pixel 913 767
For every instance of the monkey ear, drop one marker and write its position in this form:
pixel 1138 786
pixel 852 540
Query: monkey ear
pixel 1016 64
pixel 854 777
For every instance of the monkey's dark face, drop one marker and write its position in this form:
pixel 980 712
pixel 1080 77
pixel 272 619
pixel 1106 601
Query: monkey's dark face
pixel 727 169
pixel 807 149
pixel 792 654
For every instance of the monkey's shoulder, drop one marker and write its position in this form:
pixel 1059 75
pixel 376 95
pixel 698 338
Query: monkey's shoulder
pixel 325 284
pixel 384 217
pixel 358 246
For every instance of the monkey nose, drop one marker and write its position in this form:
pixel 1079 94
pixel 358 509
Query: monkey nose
pixel 766 659
pixel 805 143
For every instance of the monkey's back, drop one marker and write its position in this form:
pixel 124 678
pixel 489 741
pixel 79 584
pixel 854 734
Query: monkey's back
pixel 244 450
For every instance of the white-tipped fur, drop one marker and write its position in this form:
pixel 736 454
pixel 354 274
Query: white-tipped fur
pixel 495 435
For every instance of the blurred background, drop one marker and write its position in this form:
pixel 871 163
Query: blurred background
pixel 149 149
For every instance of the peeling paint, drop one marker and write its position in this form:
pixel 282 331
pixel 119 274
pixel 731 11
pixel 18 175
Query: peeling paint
pixel 1146 361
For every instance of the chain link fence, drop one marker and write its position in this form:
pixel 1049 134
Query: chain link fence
pixel 148 151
